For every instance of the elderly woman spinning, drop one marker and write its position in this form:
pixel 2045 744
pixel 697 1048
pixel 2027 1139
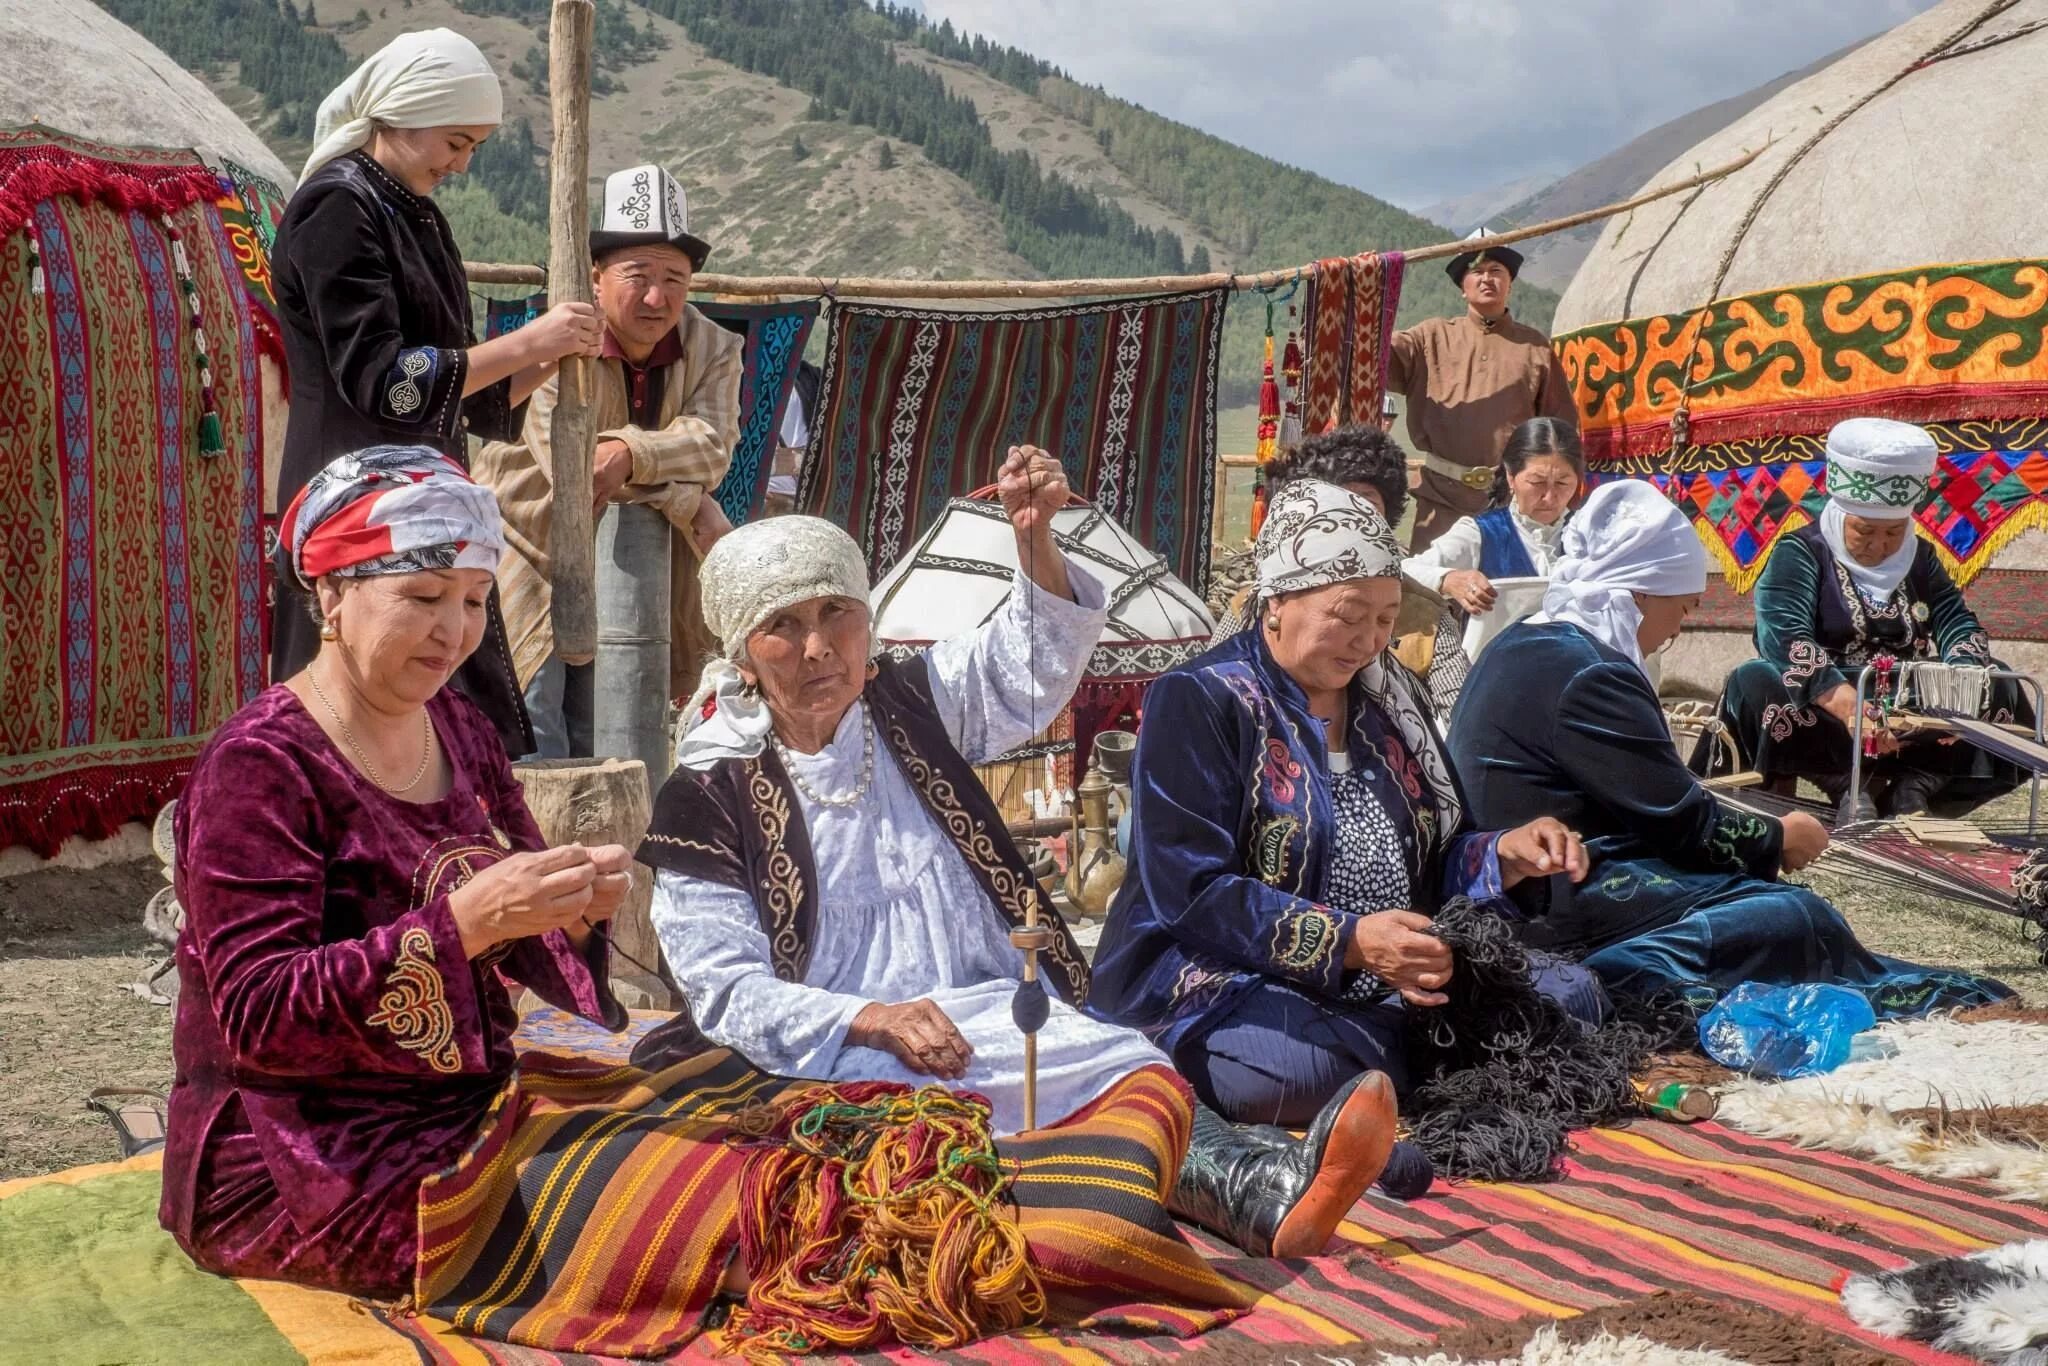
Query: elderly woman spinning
pixel 1294 824
pixel 1683 895
pixel 835 890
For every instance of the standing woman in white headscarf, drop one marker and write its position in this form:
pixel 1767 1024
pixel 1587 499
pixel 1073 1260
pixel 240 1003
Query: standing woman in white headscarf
pixel 379 339
pixel 1559 718
pixel 1834 595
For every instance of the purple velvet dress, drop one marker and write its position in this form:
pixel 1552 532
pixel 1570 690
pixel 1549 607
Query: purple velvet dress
pixel 333 1046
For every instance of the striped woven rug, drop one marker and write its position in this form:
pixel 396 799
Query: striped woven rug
pixel 1652 1207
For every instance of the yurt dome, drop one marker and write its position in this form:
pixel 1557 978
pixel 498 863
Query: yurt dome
pixel 962 569
pixel 74 67
pixel 1883 255
pixel 1914 167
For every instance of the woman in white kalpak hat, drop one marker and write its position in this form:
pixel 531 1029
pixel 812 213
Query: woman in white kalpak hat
pixel 1838 593
pixel 378 335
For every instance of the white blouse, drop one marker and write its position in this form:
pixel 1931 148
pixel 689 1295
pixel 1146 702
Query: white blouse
pixel 1459 548
pixel 902 915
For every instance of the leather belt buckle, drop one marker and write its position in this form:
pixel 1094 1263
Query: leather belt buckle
pixel 1478 480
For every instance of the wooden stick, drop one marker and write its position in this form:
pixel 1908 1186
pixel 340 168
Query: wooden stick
pixel 572 546
pixel 1730 781
pixel 863 287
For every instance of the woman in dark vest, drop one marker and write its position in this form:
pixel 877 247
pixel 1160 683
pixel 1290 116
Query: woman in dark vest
pixel 1835 595
pixel 835 891
pixel 1542 470
pixel 376 313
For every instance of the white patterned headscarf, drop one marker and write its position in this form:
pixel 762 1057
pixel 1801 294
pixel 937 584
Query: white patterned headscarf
pixel 1317 534
pixel 1628 538
pixel 1877 469
pixel 750 575
pixel 432 79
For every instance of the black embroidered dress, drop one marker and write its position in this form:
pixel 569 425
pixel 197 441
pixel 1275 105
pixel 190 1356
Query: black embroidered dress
pixel 377 324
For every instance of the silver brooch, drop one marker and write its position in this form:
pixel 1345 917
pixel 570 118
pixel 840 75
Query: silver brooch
pixel 1919 611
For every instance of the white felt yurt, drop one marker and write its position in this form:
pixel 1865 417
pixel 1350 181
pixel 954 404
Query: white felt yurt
pixel 964 567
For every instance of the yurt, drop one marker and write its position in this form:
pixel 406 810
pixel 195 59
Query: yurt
pixel 140 387
pixel 1884 255
pixel 962 570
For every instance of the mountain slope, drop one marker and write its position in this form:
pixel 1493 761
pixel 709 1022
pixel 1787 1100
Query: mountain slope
pixel 827 137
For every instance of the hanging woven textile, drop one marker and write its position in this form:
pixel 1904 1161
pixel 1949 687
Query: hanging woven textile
pixel 920 405
pixel 1351 305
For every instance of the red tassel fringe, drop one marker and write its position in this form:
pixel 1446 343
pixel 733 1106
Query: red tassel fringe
pixel 91 803
pixel 1930 403
pixel 51 172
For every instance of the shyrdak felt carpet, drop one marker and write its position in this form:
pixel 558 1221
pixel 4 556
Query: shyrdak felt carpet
pixel 1958 1098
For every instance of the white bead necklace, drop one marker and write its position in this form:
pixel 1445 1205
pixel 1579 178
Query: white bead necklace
pixel 867 767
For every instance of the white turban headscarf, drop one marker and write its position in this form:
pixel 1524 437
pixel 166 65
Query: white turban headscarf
pixel 1877 468
pixel 1628 538
pixel 750 575
pixel 432 79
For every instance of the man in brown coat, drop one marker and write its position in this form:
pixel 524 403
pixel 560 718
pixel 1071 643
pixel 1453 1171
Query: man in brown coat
pixel 1471 380
pixel 666 407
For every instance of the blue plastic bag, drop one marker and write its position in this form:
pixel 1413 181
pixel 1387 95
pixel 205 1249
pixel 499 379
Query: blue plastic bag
pixel 1800 1031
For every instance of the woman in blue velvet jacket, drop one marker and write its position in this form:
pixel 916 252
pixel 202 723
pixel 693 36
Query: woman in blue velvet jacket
pixel 1294 820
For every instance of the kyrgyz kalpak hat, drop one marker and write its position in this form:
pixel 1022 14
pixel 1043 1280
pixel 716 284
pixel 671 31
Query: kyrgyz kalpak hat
pixel 1465 260
pixel 642 206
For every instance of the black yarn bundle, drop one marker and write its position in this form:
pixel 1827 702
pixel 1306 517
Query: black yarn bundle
pixel 1502 1073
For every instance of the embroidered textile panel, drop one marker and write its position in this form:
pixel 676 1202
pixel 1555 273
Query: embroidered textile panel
pixel 1350 330
pixel 774 334
pixel 1978 500
pixel 1941 343
pixel 130 582
pixel 920 406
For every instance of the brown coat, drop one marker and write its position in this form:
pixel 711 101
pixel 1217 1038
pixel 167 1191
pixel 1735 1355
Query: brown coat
pixel 673 466
pixel 1468 386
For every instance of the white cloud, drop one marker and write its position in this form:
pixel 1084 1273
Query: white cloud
pixel 1416 101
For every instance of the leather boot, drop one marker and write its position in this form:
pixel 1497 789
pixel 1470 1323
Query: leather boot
pixel 1913 793
pixel 1278 1196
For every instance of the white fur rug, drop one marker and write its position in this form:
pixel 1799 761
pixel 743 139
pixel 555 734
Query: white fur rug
pixel 1543 1349
pixel 1991 1305
pixel 1938 1063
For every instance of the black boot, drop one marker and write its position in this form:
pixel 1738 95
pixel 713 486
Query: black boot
pixel 1914 792
pixel 1277 1196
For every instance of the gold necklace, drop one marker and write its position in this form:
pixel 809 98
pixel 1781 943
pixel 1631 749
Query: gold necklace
pixel 370 769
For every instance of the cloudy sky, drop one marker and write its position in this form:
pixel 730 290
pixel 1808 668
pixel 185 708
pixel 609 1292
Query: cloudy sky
pixel 1420 100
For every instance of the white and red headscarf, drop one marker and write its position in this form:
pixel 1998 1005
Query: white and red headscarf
pixel 392 510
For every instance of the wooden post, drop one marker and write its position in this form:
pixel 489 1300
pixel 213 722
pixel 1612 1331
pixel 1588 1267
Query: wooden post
pixel 605 801
pixel 572 547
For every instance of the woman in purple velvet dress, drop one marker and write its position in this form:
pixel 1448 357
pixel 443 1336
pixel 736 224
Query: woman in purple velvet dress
pixel 360 877
pixel 362 882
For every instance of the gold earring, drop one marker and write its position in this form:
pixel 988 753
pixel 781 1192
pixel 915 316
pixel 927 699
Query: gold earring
pixel 328 630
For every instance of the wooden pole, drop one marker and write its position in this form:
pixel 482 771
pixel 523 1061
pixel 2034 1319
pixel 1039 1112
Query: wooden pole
pixel 805 286
pixel 572 548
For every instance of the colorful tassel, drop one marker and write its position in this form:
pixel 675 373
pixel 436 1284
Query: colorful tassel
pixel 35 259
pixel 1269 404
pixel 212 437
pixel 1258 508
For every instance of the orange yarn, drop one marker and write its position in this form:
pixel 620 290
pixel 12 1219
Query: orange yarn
pixel 871 1214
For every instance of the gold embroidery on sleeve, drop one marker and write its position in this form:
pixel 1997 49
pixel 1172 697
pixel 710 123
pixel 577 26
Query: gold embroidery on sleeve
pixel 1304 941
pixel 415 1006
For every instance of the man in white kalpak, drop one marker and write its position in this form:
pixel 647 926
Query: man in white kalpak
pixel 835 891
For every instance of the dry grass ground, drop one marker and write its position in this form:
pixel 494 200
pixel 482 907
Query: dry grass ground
pixel 71 941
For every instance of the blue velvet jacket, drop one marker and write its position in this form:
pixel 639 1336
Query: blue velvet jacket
pixel 1231 840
